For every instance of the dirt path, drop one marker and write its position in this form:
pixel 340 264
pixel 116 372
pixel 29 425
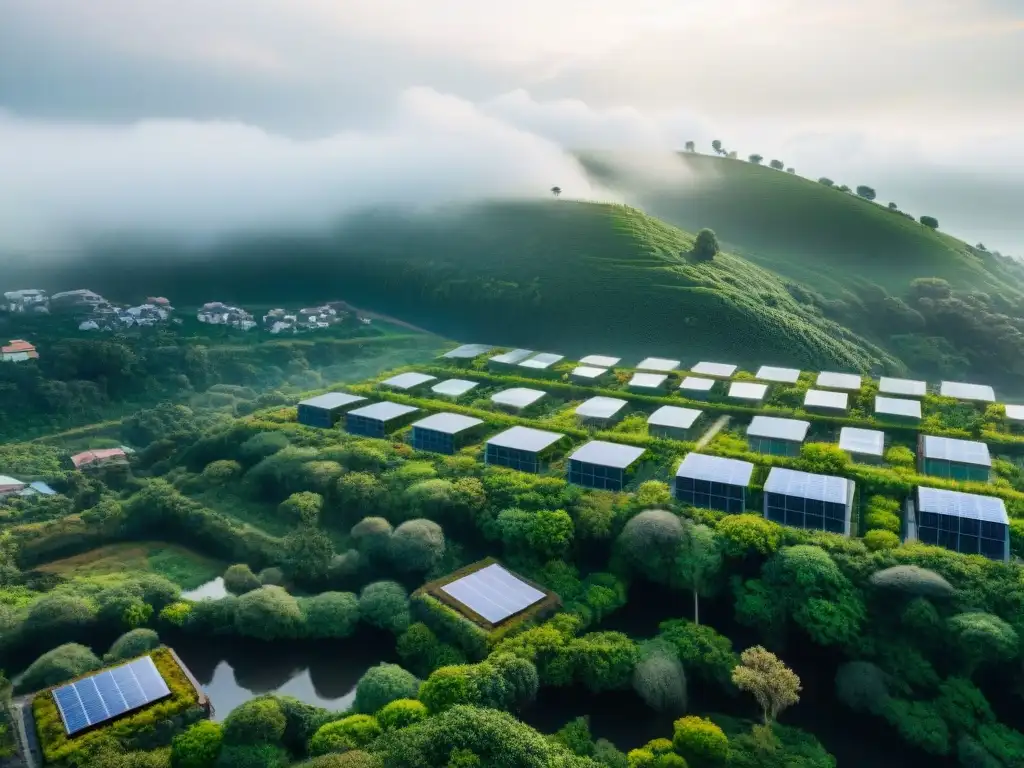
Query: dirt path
pixel 713 430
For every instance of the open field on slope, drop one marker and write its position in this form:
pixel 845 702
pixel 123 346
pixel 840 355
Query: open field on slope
pixel 183 566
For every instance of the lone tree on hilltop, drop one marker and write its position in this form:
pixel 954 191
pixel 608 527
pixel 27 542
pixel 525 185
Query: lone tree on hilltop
pixel 791 170
pixel 778 165
pixel 826 181
pixel 981 247
pixel 866 192
pixel 843 188
pixel 556 191
pixel 717 146
pixel 893 207
pixel 764 675
pixel 930 221
pixel 691 147
pixel 755 159
pixel 705 247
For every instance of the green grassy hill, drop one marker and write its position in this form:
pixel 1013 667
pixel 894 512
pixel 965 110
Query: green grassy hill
pixel 801 229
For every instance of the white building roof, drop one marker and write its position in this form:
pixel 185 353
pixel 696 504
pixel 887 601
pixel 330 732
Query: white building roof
pixel 722 370
pixel 748 390
pixel 600 407
pixel 332 400
pixel 904 387
pixel 468 351
pixel 662 364
pixel 517 397
pixel 867 442
pixel 674 416
pixel 779 429
pixel 958 504
pixel 408 380
pixel 449 423
pixel 960 451
pixel 697 384
pixel 964 391
pixel 716 469
pixel 542 361
pixel 820 398
pixel 512 357
pixel 895 406
pixel 807 485
pixel 383 411
pixel 648 380
pixel 588 372
pixel 832 380
pixel 600 361
pixel 525 439
pixel 1015 412
pixel 606 454
pixel 782 375
pixel 454 387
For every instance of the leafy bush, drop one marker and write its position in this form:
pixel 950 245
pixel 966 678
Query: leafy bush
pixel 385 605
pixel 983 638
pixel 372 537
pixel 700 741
pixel 63 663
pixel 197 747
pixel 268 613
pixel 257 721
pixel 417 545
pixel 862 686
pixel 330 615
pixel 239 579
pixel 912 580
pixel 877 540
pixel 880 520
pixel 401 713
pixel 253 756
pixel 919 723
pixel 355 758
pixel 702 650
pixel 131 644
pixel 272 577
pixel 650 541
pixel 352 732
pixel 749 533
pixel 660 681
pixel 383 684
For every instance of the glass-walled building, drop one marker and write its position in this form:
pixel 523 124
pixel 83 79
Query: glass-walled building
pixel 522 448
pixel 963 522
pixel 326 410
pixel 806 500
pixel 713 482
pixel 603 465
pixel 444 432
pixel 954 459
pixel 379 419
pixel 775 436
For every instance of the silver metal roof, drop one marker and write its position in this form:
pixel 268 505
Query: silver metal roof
pixel 467 351
pixel 868 442
pixel 806 485
pixel 820 398
pixel 541 361
pixel 783 375
pixel 517 397
pixel 657 364
pixel 716 469
pixel 1015 412
pixel 601 361
pixel 648 380
pixel 332 400
pixel 407 380
pixel 905 387
pixel 454 387
pixel 512 357
pixel 894 406
pixel 723 370
pixel 831 380
pixel 697 384
pixel 449 423
pixel 607 454
pixel 525 439
pixel 674 416
pixel 964 391
pixel 493 593
pixel 588 371
pixel 600 407
pixel 959 504
pixel 781 429
pixel 383 411
pixel 961 451
pixel 748 390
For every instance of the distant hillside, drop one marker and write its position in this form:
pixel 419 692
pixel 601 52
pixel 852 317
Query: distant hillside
pixel 566 276
pixel 802 229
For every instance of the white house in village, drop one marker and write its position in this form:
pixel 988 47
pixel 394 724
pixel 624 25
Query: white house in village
pixel 218 313
pixel 307 319
pixel 26 300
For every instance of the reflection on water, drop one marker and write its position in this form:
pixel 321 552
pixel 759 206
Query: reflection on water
pixel 211 590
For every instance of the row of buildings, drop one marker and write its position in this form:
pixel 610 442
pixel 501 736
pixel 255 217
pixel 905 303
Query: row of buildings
pixel 276 321
pixel 86 461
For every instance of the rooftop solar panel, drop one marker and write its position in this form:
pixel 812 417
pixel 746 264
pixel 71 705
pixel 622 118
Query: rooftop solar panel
pixel 661 364
pixel 674 416
pixel 782 375
pixel 607 454
pixel 493 593
pixel 109 693
pixel 517 397
pixel 467 351
pixel 449 423
pixel 332 400
pixel 716 469
pixel 894 406
pixel 959 504
pixel 747 390
pixel 696 384
pixel 819 398
pixel 962 451
pixel 454 387
pixel 869 442
pixel 905 387
pixel 964 391
pixel 1015 412
pixel 512 357
pixel 723 370
pixel 601 361
pixel 588 372
pixel 647 380
pixel 541 361
pixel 781 429
pixel 600 407
pixel 525 439
pixel 407 380
pixel 831 380
pixel 805 485
pixel 384 411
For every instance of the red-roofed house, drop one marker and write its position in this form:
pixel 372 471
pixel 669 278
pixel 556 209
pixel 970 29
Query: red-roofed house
pixel 99 458
pixel 18 350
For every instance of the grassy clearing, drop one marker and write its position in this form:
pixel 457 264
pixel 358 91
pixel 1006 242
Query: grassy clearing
pixel 182 566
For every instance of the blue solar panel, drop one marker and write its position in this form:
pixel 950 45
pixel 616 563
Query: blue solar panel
pixel 107 694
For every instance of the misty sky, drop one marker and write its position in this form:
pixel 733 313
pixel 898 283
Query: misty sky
pixel 226 114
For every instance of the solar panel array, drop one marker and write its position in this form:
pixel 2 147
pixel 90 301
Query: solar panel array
pixel 1015 412
pixel 748 390
pixel 607 454
pixel 454 387
pixel 109 694
pixel 647 380
pixel 697 384
pixel 895 406
pixel 468 351
pixel 964 391
pixel 601 361
pixel 806 485
pixel 588 372
pixel 408 380
pixel 716 469
pixel 781 429
pixel 959 504
pixel 869 442
pixel 525 439
pixel 512 357
pixel 960 451
pixel 905 387
pixel 782 375
pixel 600 407
pixel 674 416
pixel 493 593
pixel 819 398
pixel 449 423
pixel 661 364
pixel 723 370
pixel 831 380
pixel 541 361
pixel 517 397
pixel 384 411
pixel 332 400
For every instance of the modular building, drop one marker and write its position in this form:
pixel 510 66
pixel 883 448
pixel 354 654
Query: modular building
pixel 588 374
pixel 806 500
pixel 454 388
pixel 326 410
pixel 408 382
pixel 777 375
pixel 902 387
pixel 955 459
pixel 445 432
pixel 864 445
pixel 775 436
pixel 832 380
pixel 379 419
pixel 825 401
pixel 748 390
pixel 522 448
pixel 1015 415
pixel 517 398
pixel 713 482
pixel 673 423
pixel 696 387
pixel 600 464
pixel 718 370
pixel 963 522
pixel 897 409
pixel 647 383
pixel 600 361
pixel 466 353
pixel 659 364
pixel 601 411
pixel 979 393
pixel 509 359
pixel 540 365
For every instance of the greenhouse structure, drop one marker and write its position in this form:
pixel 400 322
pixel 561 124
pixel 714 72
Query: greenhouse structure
pixel 603 465
pixel 379 419
pixel 601 411
pixel 963 522
pixel 673 423
pixel 713 482
pixel 775 436
pixel 953 458
pixel 696 387
pixel 444 432
pixel 522 448
pixel 825 401
pixel 807 500
pixel 961 390
pixel 777 375
pixel 902 387
pixel 407 382
pixel 898 409
pixel 864 445
pixel 326 410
